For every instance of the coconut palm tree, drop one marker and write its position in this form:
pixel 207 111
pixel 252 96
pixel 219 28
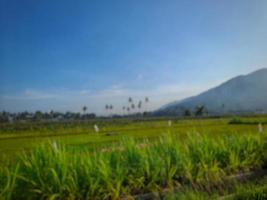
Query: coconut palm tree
pixel 133 106
pixel 111 108
pixel 139 105
pixel 146 102
pixel 123 109
pixel 130 100
pixel 187 113
pixel 201 110
pixel 128 110
pixel 107 107
pixel 84 108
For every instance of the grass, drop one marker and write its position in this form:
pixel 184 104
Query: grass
pixel 131 167
pixel 252 121
pixel 129 157
pixel 256 190
pixel 20 136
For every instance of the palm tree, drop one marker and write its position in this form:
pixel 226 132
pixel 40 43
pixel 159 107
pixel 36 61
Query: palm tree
pixel 146 101
pixel 111 108
pixel 128 110
pixel 107 107
pixel 201 110
pixel 139 105
pixel 130 100
pixel 187 113
pixel 84 108
pixel 123 109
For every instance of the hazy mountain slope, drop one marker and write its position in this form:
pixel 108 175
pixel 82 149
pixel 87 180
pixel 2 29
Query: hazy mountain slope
pixel 242 93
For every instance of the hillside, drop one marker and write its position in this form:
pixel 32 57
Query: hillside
pixel 245 93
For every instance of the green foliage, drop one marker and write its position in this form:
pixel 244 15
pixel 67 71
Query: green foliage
pixel 255 121
pixel 252 191
pixel 236 120
pixel 131 167
pixel 188 113
pixel 201 111
pixel 8 178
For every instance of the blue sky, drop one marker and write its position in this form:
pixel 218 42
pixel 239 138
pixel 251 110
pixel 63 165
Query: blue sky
pixel 61 55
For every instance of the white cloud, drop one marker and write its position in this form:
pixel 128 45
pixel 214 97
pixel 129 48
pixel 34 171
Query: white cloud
pixel 85 92
pixel 30 94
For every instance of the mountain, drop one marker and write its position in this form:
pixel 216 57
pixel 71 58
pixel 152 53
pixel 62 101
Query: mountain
pixel 245 93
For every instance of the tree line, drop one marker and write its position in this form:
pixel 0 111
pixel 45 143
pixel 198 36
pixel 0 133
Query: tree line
pixel 44 116
pixel 131 109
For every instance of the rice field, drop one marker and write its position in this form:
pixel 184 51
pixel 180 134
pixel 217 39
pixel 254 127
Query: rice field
pixel 134 159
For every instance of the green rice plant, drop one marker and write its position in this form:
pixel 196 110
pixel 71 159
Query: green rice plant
pixel 45 172
pixel 249 191
pixel 236 120
pixel 246 152
pixel 131 167
pixel 190 195
pixel 203 153
pixel 7 181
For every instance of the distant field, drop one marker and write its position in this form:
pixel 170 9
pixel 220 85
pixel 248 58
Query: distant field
pixel 131 157
pixel 18 136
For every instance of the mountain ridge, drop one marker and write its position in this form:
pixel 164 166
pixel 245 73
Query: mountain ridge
pixel 243 93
